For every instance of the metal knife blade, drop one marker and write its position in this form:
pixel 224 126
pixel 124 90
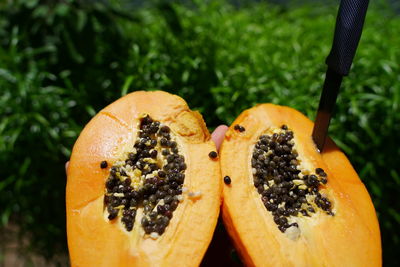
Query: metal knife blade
pixel 348 29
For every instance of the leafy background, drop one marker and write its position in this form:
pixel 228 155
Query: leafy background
pixel 62 61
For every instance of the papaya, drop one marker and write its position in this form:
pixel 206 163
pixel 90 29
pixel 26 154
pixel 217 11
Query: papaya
pixel 143 185
pixel 287 204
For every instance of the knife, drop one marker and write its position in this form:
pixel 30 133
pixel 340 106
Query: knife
pixel 349 24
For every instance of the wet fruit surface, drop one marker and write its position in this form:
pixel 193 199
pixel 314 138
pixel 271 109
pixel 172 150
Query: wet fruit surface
pixel 287 203
pixel 142 189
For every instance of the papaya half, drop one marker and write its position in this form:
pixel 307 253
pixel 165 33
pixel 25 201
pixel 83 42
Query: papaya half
pixel 286 204
pixel 143 186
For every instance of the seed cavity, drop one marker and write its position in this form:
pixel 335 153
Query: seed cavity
pixel 287 190
pixel 227 180
pixel 239 128
pixel 149 177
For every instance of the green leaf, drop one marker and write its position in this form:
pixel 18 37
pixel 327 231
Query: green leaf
pixel 126 85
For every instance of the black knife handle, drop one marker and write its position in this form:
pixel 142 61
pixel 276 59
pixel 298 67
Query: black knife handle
pixel 349 24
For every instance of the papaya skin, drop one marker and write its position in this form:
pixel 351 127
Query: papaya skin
pixel 349 238
pixel 93 240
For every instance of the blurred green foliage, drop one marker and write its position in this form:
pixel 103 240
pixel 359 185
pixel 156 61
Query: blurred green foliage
pixel 63 61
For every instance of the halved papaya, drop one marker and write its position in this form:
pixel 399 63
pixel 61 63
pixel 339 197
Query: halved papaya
pixel 286 204
pixel 142 189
